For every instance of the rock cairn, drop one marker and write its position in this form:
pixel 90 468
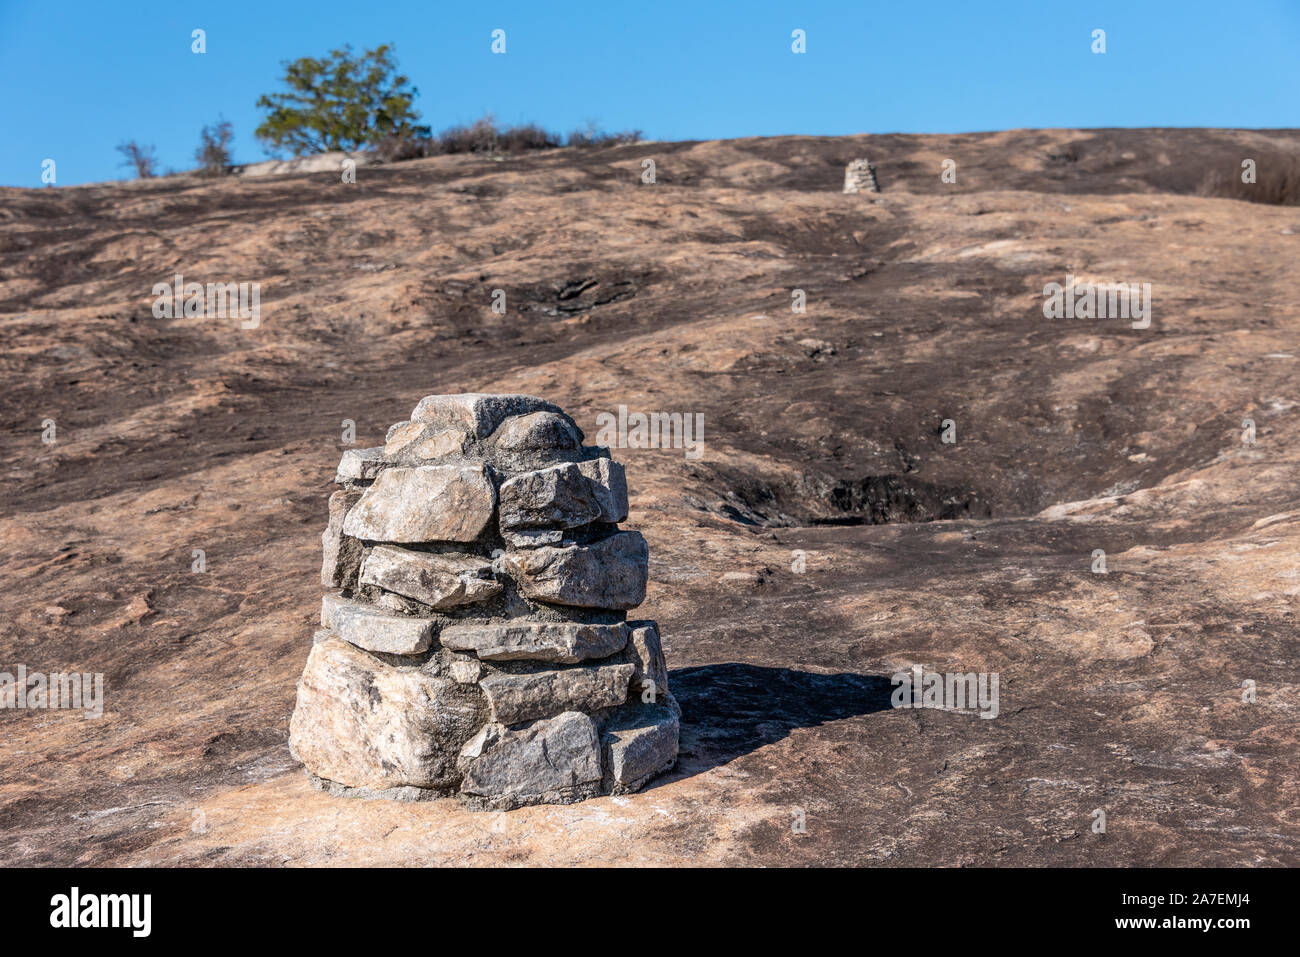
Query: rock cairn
pixel 476 642
pixel 860 177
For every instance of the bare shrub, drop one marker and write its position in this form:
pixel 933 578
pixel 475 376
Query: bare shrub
pixel 399 147
pixel 530 136
pixel 484 136
pixel 593 138
pixel 480 137
pixel 213 153
pixel 140 157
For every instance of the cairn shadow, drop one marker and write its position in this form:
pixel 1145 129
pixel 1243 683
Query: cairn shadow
pixel 731 709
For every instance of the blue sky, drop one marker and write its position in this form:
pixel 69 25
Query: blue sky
pixel 77 78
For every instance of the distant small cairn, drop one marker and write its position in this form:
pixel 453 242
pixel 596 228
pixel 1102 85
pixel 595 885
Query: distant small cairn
pixel 477 643
pixel 860 177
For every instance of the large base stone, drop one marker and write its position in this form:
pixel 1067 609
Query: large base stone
pixel 365 724
pixel 553 761
pixel 640 745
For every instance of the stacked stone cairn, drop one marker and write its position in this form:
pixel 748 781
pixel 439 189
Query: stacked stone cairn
pixel 476 642
pixel 860 177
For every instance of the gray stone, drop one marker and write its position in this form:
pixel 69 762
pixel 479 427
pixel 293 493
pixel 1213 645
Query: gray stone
pixel 439 581
pixel 364 724
pixel 540 694
pixel 329 604
pixel 610 481
pixel 556 497
pixel 637 746
pixel 555 761
pixel 418 443
pixel 645 652
pixel 429 503
pixel 532 537
pixel 360 465
pixel 391 601
pixel 341 554
pixel 376 630
pixel 610 573
pixel 565 643
pixel 466 671
pixel 537 431
pixel 476 413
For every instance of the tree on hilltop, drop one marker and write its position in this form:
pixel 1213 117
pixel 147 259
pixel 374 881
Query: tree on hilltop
pixel 340 102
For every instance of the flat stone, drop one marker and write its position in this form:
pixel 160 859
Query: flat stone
pixel 610 485
pixel 358 465
pixel 341 554
pixel 645 652
pixel 329 604
pixel 638 746
pixel 557 497
pixel 555 642
pixel 476 413
pixel 417 443
pixel 428 503
pixel 364 724
pixel 532 537
pixel 537 431
pixel 540 694
pixel 610 573
pixel 377 630
pixel 555 761
pixel 440 581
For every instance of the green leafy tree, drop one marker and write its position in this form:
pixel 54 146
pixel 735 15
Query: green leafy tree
pixel 340 102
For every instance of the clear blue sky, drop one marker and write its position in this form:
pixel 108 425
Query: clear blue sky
pixel 79 76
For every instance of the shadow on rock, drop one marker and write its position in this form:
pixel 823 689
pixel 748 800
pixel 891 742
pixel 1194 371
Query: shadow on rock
pixel 731 709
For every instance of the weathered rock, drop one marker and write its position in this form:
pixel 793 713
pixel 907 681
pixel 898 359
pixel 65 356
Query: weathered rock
pixel 466 672
pixel 391 601
pixel 557 497
pixel 439 581
pixel 532 537
pixel 341 554
pixel 554 761
pixel 417 443
pixel 554 642
pixel 610 573
pixel 377 630
pixel 329 604
pixel 639 745
pixel 610 481
pixel 476 413
pixel 645 652
pixel 536 432
pixel 429 503
pixel 360 465
pixel 540 694
pixel 364 724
